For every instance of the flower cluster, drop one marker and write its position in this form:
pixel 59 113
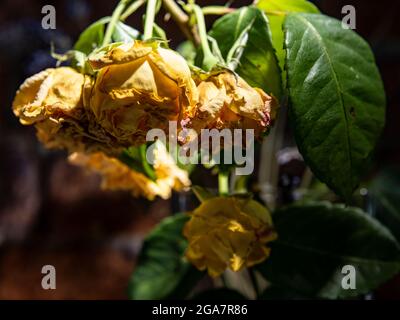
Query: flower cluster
pixel 137 87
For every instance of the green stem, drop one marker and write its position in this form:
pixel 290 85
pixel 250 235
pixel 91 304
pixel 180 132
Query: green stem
pixel 131 9
pixel 114 19
pixel 150 16
pixel 182 20
pixel 216 10
pixel 276 13
pixel 223 183
pixel 209 59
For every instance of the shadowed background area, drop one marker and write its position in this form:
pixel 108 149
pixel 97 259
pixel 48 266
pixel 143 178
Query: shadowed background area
pixel 54 213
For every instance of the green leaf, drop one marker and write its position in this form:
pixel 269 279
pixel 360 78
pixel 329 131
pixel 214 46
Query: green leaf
pixel 337 97
pixel 385 196
pixel 149 169
pixel 124 33
pixel 316 240
pixel 92 36
pixel 135 158
pixel 77 59
pixel 219 294
pixel 159 33
pixel 276 11
pixel 187 50
pixel 247 30
pixel 162 271
pixel 281 8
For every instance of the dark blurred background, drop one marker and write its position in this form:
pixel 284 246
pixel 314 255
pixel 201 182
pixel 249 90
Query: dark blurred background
pixel 55 213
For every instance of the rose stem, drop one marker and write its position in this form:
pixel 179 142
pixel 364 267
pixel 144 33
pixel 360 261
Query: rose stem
pixel 131 9
pixel 216 10
pixel 114 19
pixel 209 59
pixel 182 20
pixel 149 21
pixel 223 183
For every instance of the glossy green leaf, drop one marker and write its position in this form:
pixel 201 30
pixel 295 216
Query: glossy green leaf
pixel 276 11
pixel 247 30
pixel 124 33
pixel 162 271
pixel 279 7
pixel 337 98
pixel 317 239
pixel 92 36
pixel 385 198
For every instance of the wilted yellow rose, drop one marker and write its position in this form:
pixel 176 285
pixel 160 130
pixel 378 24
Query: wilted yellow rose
pixel 227 101
pixel 140 86
pixel 228 232
pixel 118 176
pixel 50 92
pixel 54 101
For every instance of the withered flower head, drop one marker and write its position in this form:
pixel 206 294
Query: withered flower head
pixel 118 176
pixel 54 101
pixel 228 101
pixel 228 232
pixel 140 86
